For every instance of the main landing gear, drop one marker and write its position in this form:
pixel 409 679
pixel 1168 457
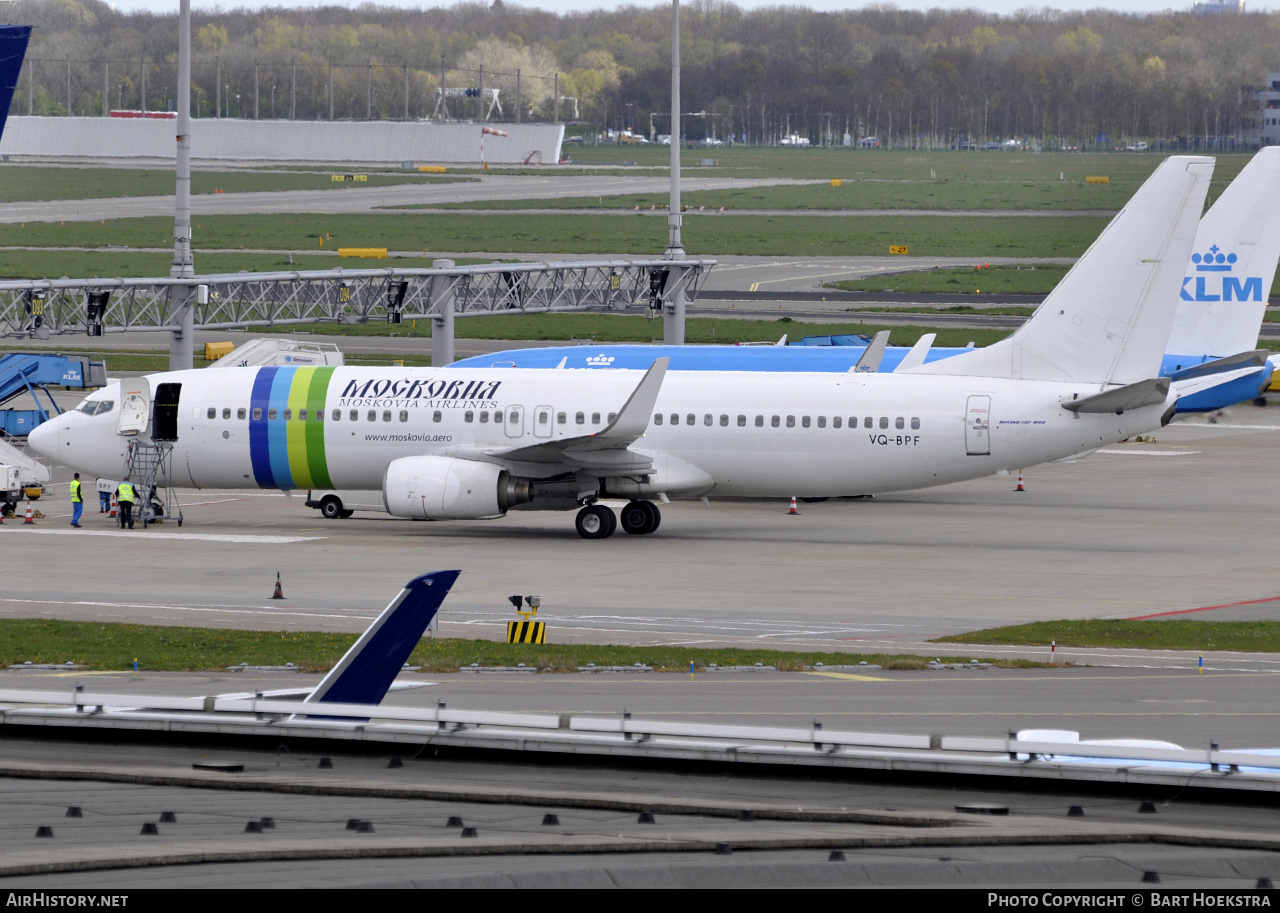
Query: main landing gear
pixel 639 518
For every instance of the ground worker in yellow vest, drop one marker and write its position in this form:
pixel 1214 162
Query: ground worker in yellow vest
pixel 126 495
pixel 77 502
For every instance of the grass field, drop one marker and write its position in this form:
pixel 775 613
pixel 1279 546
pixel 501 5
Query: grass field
pixel 994 280
pixel 1163 634
pixel 590 235
pixel 35 182
pixel 157 648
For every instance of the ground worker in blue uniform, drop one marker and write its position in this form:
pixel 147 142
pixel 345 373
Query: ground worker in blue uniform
pixel 126 495
pixel 77 502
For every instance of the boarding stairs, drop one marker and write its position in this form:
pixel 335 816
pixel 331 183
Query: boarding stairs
pixel 284 352
pixel 33 372
pixel 150 470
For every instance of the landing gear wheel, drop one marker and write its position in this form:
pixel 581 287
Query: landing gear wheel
pixel 331 508
pixel 596 522
pixel 639 518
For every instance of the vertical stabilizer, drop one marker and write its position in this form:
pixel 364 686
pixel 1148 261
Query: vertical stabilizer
pixel 1108 320
pixel 1227 283
pixel 13 48
pixel 365 674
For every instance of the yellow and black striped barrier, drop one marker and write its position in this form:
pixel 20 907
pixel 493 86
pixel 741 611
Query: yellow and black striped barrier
pixel 525 632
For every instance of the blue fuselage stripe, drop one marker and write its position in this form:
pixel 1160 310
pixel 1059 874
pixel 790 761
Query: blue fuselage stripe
pixel 277 433
pixel 259 440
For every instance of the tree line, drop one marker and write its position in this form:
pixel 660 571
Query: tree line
pixel 926 79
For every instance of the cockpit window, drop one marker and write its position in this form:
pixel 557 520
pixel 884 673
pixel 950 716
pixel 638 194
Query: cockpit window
pixel 96 407
pixel 87 407
pixel 105 406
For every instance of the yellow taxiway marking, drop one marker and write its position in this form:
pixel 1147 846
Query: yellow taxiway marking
pixel 849 676
pixel 754 286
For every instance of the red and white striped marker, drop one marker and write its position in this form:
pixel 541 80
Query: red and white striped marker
pixel 793 512
pixel 1019 488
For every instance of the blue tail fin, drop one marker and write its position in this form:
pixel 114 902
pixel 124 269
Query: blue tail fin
pixel 365 674
pixel 13 48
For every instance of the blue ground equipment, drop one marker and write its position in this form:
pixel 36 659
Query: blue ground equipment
pixel 33 373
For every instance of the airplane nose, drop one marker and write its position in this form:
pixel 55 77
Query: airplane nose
pixel 43 439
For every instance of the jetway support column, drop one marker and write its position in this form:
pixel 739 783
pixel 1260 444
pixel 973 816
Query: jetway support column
pixel 182 340
pixel 673 310
pixel 443 295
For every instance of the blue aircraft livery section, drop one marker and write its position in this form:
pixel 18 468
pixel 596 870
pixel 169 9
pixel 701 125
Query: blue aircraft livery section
pixel 13 48
pixel 812 358
pixel 365 674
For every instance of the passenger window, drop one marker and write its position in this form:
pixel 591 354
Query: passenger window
pixel 404 415
pixel 226 413
pixel 899 423
pixel 337 415
pixel 915 424
pixel 302 415
pixel 804 422
pixel 884 421
pixel 822 421
pixel 868 422
pixel 468 417
pixel 791 421
pixel 561 418
pixel 319 415
pixel 742 421
pixel 775 421
pixel 513 417
pixel 835 422
pixel 271 415
pixel 354 416
pixel 675 419
pixel 386 415
pixel 657 418
pixel 595 418
pixel 241 412
pixel 212 413
pixel 759 421
pixel 288 414
pixel 484 418
pixel 707 420
pixel 580 418
pixel 257 415
pixel 691 419
pixel 436 416
pixel 373 415
pixel 543 417
pixel 612 416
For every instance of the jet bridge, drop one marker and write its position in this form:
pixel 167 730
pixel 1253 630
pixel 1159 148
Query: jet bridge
pixel 45 308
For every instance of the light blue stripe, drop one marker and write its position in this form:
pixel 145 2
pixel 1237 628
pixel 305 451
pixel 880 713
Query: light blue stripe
pixel 279 442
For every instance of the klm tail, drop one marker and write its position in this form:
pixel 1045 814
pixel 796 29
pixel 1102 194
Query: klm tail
pixel 1108 320
pixel 1227 283
pixel 13 48
pixel 365 674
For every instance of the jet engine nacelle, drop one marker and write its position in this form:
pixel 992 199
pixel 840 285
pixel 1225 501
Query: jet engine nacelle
pixel 448 488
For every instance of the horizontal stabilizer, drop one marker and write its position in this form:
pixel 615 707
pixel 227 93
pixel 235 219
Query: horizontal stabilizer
pixel 1255 359
pixel 869 363
pixel 365 673
pixel 1209 381
pixel 1122 399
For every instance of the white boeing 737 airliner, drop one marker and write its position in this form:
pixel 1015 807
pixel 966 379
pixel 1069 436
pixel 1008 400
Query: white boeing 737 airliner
pixel 473 444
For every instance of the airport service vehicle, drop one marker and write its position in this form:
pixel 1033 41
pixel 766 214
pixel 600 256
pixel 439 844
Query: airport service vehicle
pixel 21 478
pixel 339 505
pixel 1221 304
pixel 475 444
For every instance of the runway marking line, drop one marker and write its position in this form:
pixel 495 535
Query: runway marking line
pixel 1207 608
pixel 151 534
pixel 849 676
pixel 1165 453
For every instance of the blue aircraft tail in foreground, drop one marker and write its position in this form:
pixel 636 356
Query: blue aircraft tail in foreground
pixel 365 673
pixel 13 48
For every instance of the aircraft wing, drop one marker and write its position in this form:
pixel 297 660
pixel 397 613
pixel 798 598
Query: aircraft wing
pixel 608 447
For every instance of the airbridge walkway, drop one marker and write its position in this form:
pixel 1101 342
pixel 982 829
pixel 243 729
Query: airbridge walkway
pixel 43 308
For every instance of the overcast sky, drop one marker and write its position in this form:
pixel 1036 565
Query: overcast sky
pixel 561 6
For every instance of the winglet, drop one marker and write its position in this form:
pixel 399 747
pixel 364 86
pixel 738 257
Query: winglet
pixel 633 418
pixel 917 353
pixel 869 363
pixel 366 672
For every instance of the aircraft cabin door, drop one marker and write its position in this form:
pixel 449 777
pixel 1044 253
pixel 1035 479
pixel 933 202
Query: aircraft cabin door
pixel 135 407
pixel 165 427
pixel 514 421
pixel 542 421
pixel 977 426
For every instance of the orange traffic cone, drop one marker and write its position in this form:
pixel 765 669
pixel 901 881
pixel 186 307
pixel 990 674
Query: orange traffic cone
pixel 1019 488
pixel 793 512
pixel 279 593
pixel 29 520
